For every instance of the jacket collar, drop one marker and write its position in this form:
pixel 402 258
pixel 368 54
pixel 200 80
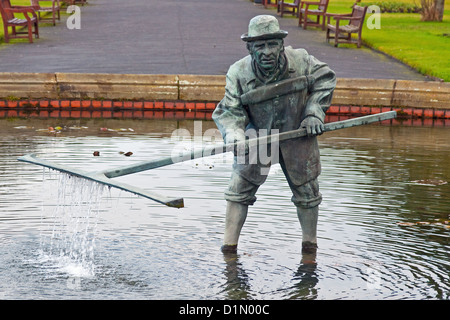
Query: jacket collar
pixel 252 80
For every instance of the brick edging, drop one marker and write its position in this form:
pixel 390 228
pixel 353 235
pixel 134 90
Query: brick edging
pixel 144 109
pixel 66 108
pixel 402 113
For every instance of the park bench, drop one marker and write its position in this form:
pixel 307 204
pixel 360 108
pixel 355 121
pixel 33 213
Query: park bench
pixel 270 3
pixel 72 2
pixel 288 7
pixel 343 32
pixel 9 18
pixel 54 9
pixel 305 11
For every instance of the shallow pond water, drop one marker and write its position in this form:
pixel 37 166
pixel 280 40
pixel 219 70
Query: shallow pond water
pixel 383 226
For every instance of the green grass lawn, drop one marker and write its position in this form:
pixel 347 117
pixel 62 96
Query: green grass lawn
pixel 425 46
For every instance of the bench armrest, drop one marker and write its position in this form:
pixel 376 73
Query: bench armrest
pixel 347 18
pixel 36 6
pixel 337 16
pixel 36 2
pixel 22 9
pixel 308 3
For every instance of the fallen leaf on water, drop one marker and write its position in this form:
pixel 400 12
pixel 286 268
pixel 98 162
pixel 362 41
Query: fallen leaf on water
pixel 439 222
pixel 406 223
pixel 129 153
pixel 430 182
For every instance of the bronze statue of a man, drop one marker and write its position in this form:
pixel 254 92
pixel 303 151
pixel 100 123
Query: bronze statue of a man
pixel 275 88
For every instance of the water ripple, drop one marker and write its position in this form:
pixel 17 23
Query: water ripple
pixel 382 232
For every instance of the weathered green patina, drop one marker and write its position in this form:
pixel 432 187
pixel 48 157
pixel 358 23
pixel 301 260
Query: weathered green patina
pixel 274 89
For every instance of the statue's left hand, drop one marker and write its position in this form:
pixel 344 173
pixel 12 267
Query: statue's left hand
pixel 313 126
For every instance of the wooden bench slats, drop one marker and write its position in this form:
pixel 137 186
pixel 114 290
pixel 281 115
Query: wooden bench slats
pixel 305 11
pixel 343 32
pixel 54 9
pixel 10 20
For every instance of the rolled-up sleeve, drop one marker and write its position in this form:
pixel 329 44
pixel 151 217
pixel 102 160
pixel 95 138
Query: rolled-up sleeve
pixel 321 92
pixel 229 114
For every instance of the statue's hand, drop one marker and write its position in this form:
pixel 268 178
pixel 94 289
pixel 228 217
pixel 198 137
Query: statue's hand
pixel 313 126
pixel 241 147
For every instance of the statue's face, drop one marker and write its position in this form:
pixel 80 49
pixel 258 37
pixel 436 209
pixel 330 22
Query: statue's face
pixel 267 52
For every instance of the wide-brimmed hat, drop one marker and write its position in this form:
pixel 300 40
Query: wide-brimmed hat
pixel 263 27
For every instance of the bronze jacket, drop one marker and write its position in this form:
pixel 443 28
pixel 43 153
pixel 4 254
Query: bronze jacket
pixel 281 105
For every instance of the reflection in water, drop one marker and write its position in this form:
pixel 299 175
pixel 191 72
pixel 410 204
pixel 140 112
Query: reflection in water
pixel 237 285
pixel 305 279
pixel 383 224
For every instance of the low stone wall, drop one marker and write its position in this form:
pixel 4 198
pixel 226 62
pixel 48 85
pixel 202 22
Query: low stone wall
pixel 393 93
pixel 113 95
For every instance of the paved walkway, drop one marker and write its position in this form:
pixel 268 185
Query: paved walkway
pixel 176 37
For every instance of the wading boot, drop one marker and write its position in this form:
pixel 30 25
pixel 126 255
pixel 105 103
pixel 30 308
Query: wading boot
pixel 236 214
pixel 308 221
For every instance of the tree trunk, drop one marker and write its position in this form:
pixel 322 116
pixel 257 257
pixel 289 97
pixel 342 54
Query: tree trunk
pixel 439 9
pixel 432 10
